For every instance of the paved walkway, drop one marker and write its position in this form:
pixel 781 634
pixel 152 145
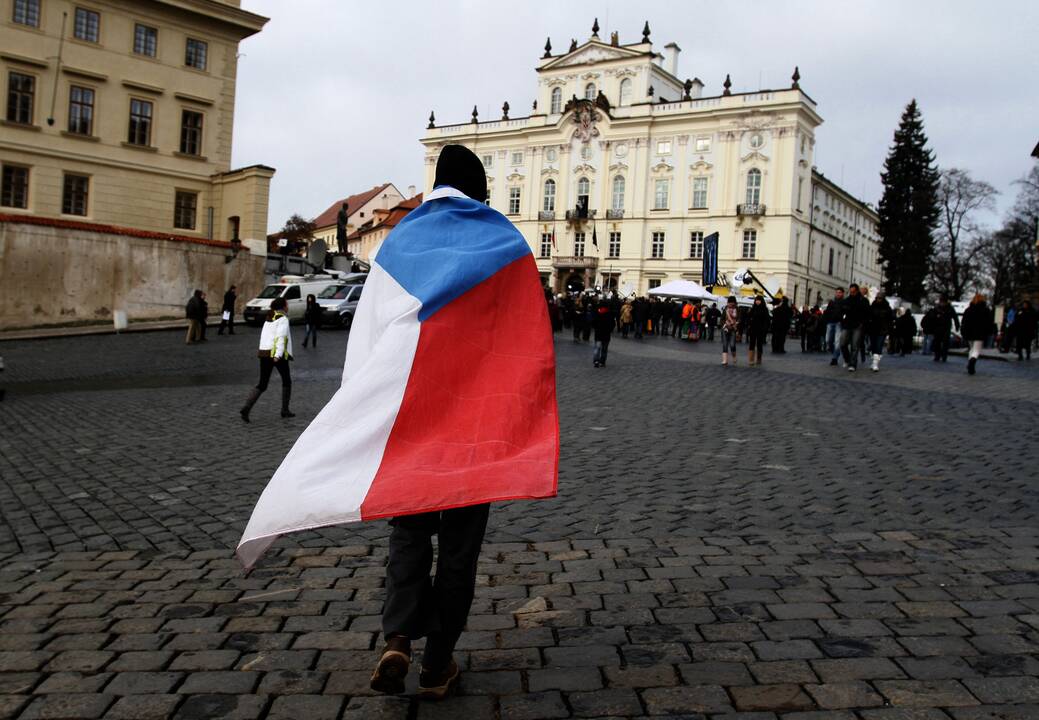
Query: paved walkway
pixel 795 542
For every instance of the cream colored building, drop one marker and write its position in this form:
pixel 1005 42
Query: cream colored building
pixel 361 208
pixel 120 112
pixel 658 166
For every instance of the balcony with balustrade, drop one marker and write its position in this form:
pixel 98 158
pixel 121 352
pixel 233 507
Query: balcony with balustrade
pixel 750 209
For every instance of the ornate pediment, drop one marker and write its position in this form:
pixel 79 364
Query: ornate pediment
pixel 591 76
pixel 583 168
pixel 550 171
pixel 754 120
pixel 514 177
pixel 623 72
pixel 662 167
pixel 618 166
pixel 701 165
pixel 754 155
pixel 590 53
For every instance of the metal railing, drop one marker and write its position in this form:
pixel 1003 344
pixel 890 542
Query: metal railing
pixel 614 214
pixel 575 262
pixel 546 215
pixel 578 215
pixel 750 209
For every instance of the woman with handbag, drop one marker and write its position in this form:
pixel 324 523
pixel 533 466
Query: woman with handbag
pixel 275 352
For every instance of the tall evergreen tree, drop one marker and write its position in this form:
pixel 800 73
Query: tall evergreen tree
pixel 909 209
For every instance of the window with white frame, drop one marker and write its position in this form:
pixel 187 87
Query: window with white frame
pixel 703 144
pixel 699 193
pixel 548 202
pixel 617 201
pixel 87 25
pixel 514 200
pixel 661 194
pixel 27 12
pixel 196 54
pixel 656 249
pixel 613 248
pixel 696 244
pixel 654 283
pixel 557 101
pixel 517 158
pixel 578 244
pixel 145 40
pixel 750 244
pixel 753 186
pixel 487 160
pixel 583 190
pixel 546 245
pixel 589 91
pixel 586 152
pixel 625 91
pixel 663 147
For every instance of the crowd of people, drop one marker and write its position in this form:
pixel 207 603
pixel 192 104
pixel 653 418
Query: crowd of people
pixel 852 329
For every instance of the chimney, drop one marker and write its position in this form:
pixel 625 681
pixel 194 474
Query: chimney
pixel 411 191
pixel 671 51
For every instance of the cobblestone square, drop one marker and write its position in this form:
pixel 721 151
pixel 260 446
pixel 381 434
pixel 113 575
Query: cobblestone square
pixel 792 541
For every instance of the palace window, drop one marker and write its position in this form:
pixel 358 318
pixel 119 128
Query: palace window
pixel 548 202
pixel 703 144
pixel 617 201
pixel 191 132
pixel 557 101
pixel 586 152
pixel 578 244
pixel 583 188
pixel 27 12
pixel 185 205
pixel 663 147
pixel 488 160
pixel 800 191
pixel 830 266
pixel 81 110
pixel 661 192
pixel 613 249
pixel 626 91
pixel 14 190
pixel 753 186
pixel 145 40
pixel 656 249
pixel 87 26
pixel 514 201
pixel 750 244
pixel 654 283
pixel 74 194
pixel 589 91
pixel 699 193
pixel 517 158
pixel 696 245
pixel 140 132
pixel 21 91
pixel 195 53
pixel 546 245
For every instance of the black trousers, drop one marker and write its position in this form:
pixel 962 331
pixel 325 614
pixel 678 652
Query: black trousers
pixel 941 346
pixel 229 323
pixel 438 607
pixel 267 365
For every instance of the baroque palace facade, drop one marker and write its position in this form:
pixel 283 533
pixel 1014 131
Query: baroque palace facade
pixel 622 169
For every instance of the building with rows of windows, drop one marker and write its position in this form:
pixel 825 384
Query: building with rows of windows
pixel 120 113
pixel 622 169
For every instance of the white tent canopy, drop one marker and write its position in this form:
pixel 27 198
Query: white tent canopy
pixel 685 289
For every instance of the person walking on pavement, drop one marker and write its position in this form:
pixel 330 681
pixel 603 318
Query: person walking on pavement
pixel 604 323
pixel 625 318
pixel 275 352
pixel 1025 330
pixel 194 313
pixel 204 318
pixel 781 317
pixel 730 321
pixel 977 319
pixel 853 324
pixel 227 312
pixel 713 317
pixel 311 320
pixel 881 320
pixel 944 318
pixel 758 323
pixel 832 316
pixel 905 327
pixel 639 311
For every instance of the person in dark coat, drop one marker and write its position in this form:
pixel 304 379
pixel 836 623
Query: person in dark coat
pixel 757 327
pixel 905 327
pixel 853 326
pixel 881 322
pixel 640 312
pixel 977 321
pixel 577 317
pixel 203 317
pixel 590 306
pixel 781 317
pixel 944 318
pixel 227 311
pixel 1025 330
pixel 832 322
pixel 194 313
pixel 311 320
pixel 604 323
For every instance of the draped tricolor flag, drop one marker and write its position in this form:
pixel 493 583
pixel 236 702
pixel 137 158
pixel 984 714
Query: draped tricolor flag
pixel 448 393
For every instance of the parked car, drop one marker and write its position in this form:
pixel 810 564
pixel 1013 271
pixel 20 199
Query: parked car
pixel 294 288
pixel 338 305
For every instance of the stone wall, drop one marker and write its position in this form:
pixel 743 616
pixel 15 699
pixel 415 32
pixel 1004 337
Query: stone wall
pixel 63 272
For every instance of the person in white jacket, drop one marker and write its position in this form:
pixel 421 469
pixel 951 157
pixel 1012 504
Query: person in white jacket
pixel 275 353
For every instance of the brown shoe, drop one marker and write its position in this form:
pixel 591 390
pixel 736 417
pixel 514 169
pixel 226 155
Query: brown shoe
pixel 434 685
pixel 393 666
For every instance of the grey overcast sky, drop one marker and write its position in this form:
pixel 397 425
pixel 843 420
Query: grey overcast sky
pixel 336 93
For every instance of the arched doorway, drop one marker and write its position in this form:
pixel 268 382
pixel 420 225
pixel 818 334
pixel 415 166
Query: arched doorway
pixel 575 282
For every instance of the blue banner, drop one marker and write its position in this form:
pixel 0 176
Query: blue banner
pixel 710 260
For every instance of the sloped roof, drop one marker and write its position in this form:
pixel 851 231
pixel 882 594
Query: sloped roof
pixel 354 202
pixel 390 220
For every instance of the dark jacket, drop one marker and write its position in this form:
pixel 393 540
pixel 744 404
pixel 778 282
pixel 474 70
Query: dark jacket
pixel 881 317
pixel 229 300
pixel 855 312
pixel 977 322
pixel 944 318
pixel 713 316
pixel 1024 324
pixel 927 322
pixel 834 311
pixel 759 318
pixel 604 323
pixel 196 308
pixel 906 325
pixel 781 317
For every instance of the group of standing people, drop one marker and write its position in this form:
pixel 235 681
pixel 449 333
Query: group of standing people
pixel 197 313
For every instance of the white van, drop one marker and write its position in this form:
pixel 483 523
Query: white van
pixel 294 288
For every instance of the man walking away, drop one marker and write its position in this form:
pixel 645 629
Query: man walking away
pixel 905 326
pixel 881 319
pixel 944 319
pixel 757 323
pixel 1025 330
pixel 713 316
pixel 781 317
pixel 604 323
pixel 976 321
pixel 193 312
pixel 853 322
pixel 227 312
pixel 832 319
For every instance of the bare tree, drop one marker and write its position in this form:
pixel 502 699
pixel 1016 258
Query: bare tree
pixel 1009 257
pixel 955 267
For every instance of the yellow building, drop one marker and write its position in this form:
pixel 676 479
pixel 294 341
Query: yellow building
pixel 621 151
pixel 121 113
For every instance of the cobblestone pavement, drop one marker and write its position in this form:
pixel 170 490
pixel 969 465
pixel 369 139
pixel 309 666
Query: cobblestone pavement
pixel 793 541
